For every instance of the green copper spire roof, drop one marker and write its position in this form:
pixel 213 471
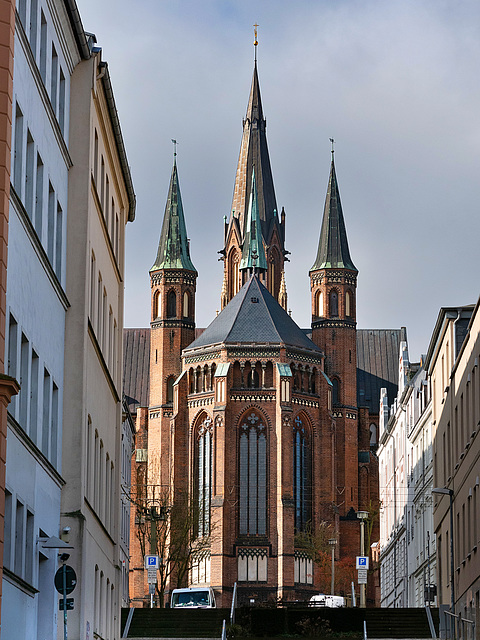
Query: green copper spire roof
pixel 253 253
pixel 173 251
pixel 333 252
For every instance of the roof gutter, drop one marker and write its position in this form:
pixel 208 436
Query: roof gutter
pixel 78 29
pixel 117 132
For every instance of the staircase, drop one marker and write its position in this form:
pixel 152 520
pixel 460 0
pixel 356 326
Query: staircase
pixel 399 623
pixel 174 623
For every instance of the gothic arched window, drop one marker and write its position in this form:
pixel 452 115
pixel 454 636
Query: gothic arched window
pixel 170 383
pixel 335 391
pixel 157 305
pixel 171 304
pixel 302 474
pixel 348 304
pixel 253 379
pixel 203 474
pixel 186 305
pixel 333 303
pixel 253 475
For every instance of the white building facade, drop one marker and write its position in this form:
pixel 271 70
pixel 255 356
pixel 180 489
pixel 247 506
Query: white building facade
pixel 394 454
pixel 101 202
pixel 421 541
pixel 47 49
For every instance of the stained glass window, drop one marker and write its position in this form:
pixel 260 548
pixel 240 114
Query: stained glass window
pixel 302 474
pixel 253 476
pixel 203 475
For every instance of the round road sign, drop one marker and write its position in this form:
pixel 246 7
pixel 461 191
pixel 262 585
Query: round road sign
pixel 70 579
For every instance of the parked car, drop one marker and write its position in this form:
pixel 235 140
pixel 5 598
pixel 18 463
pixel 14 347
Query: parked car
pixel 193 598
pixel 321 600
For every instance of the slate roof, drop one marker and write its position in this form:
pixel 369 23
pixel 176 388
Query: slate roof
pixel 136 367
pixel 377 364
pixel 333 251
pixel 254 316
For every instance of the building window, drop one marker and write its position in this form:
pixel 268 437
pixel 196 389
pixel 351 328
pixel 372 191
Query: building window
pixel 170 383
pixel 335 391
pixel 303 569
pixel 253 476
pixel 348 304
pixel 333 304
pixel 302 474
pixel 319 304
pixel 171 304
pixel 186 305
pixel 203 473
pixel 252 565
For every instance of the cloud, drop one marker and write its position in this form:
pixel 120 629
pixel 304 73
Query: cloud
pixel 395 83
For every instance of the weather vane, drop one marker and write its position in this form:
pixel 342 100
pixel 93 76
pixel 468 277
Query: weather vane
pixel 333 142
pixel 255 42
pixel 174 150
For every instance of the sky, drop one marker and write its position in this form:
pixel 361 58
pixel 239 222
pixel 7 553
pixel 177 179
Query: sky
pixel 395 83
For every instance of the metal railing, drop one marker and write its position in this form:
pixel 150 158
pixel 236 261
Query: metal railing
pixel 234 604
pixel 460 628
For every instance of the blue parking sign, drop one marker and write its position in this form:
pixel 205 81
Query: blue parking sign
pixel 151 562
pixel 362 562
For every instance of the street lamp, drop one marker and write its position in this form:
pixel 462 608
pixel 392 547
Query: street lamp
pixel 332 542
pixel 449 492
pixel 362 516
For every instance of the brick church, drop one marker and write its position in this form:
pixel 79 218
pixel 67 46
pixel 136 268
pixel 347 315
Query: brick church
pixel 267 429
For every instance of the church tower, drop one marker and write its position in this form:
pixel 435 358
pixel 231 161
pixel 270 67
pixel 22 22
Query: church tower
pixel 333 281
pixel 173 282
pixel 254 160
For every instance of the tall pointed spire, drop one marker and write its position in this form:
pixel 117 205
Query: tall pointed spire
pixel 173 250
pixel 333 251
pixel 253 254
pixel 254 151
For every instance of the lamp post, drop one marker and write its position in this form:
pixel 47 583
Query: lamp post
pixel 332 542
pixel 449 492
pixel 362 516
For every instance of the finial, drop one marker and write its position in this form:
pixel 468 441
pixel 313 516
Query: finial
pixel 255 42
pixel 174 151
pixel 333 150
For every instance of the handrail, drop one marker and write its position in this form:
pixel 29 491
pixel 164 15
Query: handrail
pixel 224 630
pixel 234 604
pixel 433 633
pixel 364 630
pixel 128 622
pixel 458 616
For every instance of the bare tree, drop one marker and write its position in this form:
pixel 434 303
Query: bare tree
pixel 167 526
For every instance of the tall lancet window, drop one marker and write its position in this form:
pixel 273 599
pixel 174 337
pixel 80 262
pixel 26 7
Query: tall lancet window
pixel 302 473
pixel 171 304
pixel 333 298
pixel 253 475
pixel 203 473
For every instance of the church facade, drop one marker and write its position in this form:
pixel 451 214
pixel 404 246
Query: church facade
pixel 265 430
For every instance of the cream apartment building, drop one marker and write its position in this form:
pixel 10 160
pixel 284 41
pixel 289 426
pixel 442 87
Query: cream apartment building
pixel 452 361
pixel 101 202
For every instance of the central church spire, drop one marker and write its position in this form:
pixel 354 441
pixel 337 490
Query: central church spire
pixel 253 153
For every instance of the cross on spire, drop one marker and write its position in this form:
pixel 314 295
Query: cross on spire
pixel 174 151
pixel 333 142
pixel 255 42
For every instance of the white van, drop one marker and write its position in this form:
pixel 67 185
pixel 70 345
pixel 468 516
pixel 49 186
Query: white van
pixel 193 598
pixel 321 600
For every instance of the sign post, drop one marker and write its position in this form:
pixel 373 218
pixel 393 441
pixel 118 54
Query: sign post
pixel 65 582
pixel 152 564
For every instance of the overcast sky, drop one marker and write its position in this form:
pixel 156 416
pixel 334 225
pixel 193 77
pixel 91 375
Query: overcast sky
pixel 396 83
